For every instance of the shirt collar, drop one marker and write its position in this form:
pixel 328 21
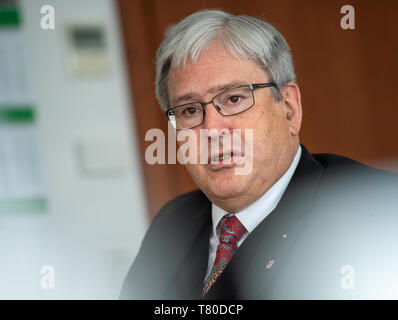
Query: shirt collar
pixel 252 215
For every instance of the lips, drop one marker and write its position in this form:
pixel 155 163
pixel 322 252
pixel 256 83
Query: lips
pixel 224 159
pixel 220 157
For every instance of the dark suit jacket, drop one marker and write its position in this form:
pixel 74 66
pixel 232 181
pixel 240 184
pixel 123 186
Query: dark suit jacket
pixel 333 235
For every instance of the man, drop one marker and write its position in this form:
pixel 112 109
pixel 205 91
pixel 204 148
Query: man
pixel 297 225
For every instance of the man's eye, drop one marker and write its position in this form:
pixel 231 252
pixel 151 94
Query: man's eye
pixel 233 99
pixel 190 111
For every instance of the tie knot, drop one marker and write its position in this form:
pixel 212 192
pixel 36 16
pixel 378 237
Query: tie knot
pixel 231 230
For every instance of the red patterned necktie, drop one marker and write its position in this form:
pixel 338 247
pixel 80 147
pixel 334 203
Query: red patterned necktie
pixel 231 230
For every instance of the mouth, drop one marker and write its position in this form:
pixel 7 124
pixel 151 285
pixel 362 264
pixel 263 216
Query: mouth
pixel 224 160
pixel 220 157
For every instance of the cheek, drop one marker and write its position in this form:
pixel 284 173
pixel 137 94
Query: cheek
pixel 270 129
pixel 198 174
pixel 187 146
pixel 264 124
pixel 276 119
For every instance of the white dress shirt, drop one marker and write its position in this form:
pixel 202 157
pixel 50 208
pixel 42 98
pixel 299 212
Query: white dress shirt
pixel 251 216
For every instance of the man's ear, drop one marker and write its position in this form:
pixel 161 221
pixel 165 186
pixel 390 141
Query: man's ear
pixel 292 104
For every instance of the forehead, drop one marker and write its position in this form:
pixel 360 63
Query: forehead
pixel 215 69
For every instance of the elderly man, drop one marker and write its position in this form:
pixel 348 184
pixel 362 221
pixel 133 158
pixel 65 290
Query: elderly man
pixel 297 225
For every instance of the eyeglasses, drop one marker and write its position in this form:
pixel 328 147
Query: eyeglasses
pixel 227 103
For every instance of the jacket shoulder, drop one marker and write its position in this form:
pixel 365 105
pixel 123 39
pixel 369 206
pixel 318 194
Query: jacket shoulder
pixel 162 248
pixel 180 205
pixel 335 164
pixel 347 182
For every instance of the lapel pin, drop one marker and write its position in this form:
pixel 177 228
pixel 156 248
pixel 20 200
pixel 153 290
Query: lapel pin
pixel 284 236
pixel 269 264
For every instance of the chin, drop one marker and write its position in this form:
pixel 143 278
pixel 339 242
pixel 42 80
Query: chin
pixel 224 196
pixel 225 189
pixel 222 184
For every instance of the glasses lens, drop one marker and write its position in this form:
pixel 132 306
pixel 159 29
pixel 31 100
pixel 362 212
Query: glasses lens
pixel 234 100
pixel 186 116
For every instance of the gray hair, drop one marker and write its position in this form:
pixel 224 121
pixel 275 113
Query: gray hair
pixel 243 36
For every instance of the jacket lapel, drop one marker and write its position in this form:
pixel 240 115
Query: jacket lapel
pixel 192 258
pixel 259 258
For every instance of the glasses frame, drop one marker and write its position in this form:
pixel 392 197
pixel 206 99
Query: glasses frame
pixel 252 87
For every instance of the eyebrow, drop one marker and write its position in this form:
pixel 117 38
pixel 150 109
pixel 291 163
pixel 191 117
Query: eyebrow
pixel 195 97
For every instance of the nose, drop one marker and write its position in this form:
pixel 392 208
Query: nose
pixel 214 121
